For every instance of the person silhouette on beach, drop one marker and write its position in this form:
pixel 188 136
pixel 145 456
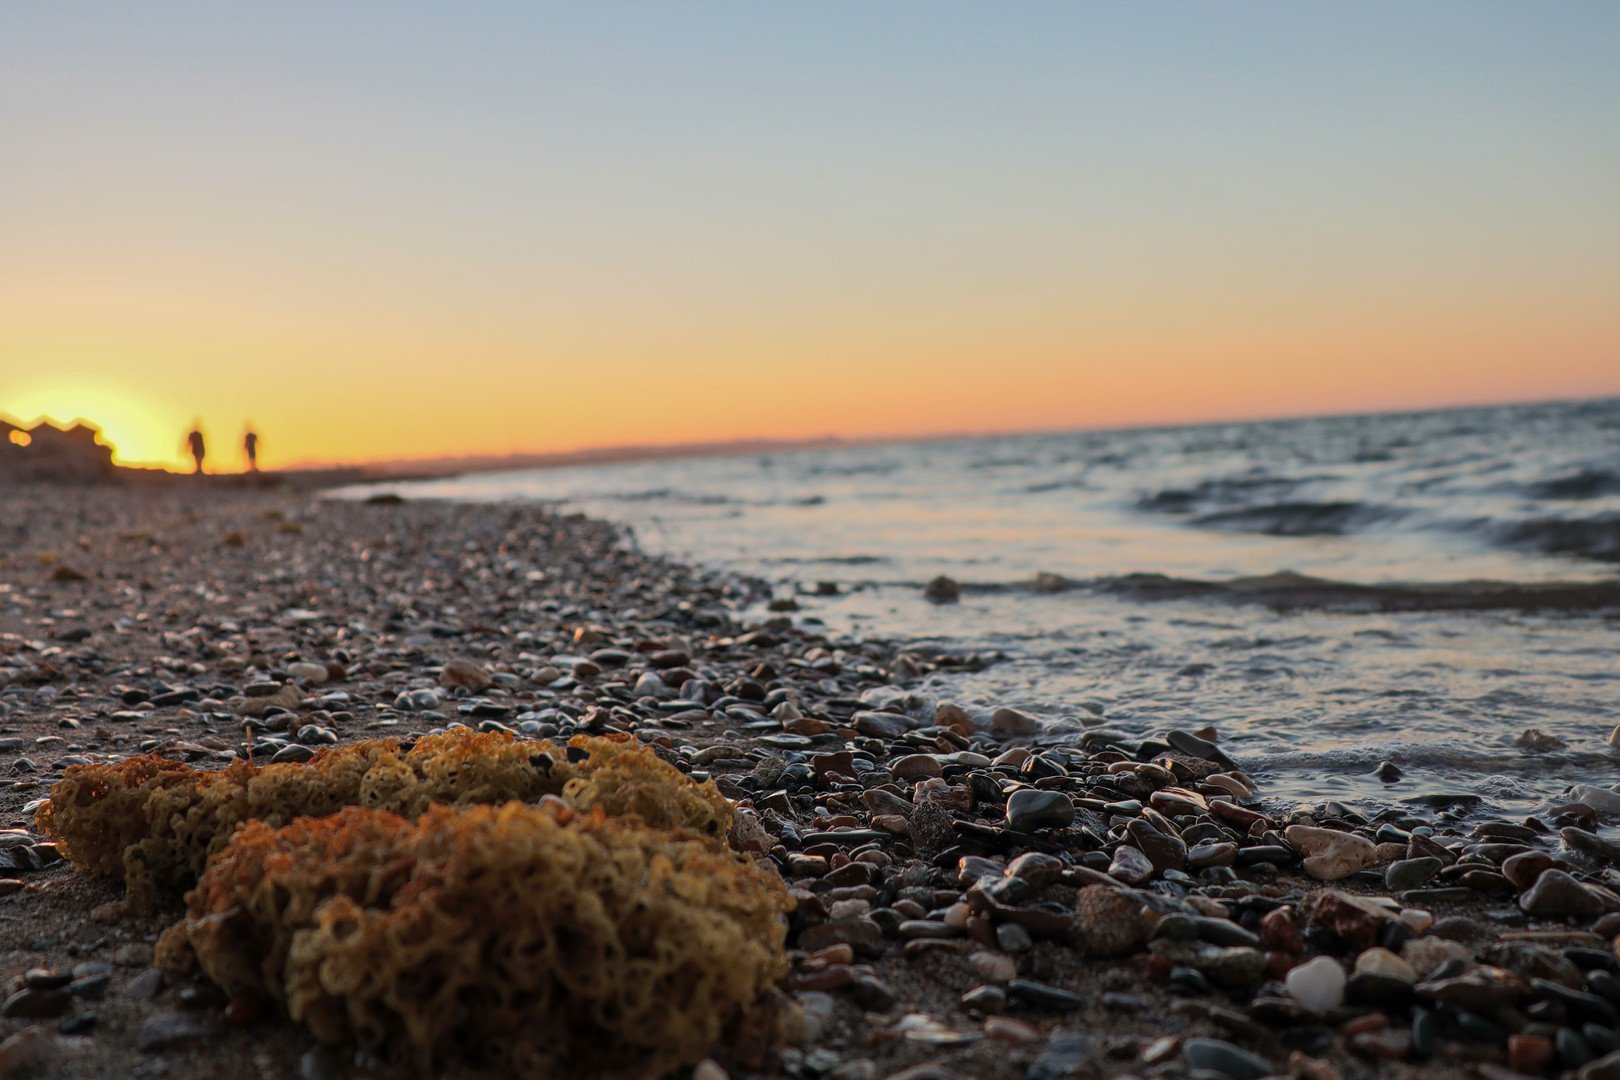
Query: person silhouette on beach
pixel 250 447
pixel 196 447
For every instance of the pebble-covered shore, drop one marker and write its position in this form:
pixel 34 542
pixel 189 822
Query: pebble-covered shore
pixel 975 898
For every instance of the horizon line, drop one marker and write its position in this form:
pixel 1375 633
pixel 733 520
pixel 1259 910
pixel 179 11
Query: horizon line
pixel 490 461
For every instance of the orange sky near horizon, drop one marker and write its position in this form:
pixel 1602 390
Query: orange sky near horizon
pixel 532 231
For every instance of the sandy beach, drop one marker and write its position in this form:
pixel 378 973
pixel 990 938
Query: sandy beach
pixel 973 899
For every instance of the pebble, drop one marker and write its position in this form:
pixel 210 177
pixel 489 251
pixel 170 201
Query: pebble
pixel 1164 851
pixel 1107 922
pixel 1385 964
pixel 1331 855
pixel 994 967
pixel 33 1051
pixel 1317 984
pixel 1009 1030
pixel 1556 893
pixel 1411 873
pixel 1043 996
pixel 1029 809
pixel 314 674
pixel 986 999
pixel 1011 723
pixel 1130 865
pixel 32 1003
pixel 168 1030
pixel 1222 1057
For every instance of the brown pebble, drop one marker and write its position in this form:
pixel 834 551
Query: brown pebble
pixel 1006 1029
pixel 1530 1053
pixel 1363 1024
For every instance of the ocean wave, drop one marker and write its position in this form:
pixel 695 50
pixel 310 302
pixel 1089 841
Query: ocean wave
pixel 691 498
pixel 1231 492
pixel 1596 537
pixel 1582 483
pixel 1289 591
pixel 1501 771
pixel 830 560
pixel 1074 483
pixel 1300 518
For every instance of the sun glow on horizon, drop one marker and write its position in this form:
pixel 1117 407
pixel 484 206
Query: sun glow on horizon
pixel 136 424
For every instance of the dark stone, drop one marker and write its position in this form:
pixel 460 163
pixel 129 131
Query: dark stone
pixel 168 1030
pixel 1042 996
pixel 1224 1058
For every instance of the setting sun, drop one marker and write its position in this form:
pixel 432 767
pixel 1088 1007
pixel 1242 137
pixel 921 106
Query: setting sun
pixel 143 428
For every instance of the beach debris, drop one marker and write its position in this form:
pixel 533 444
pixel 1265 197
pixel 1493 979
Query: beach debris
pixel 535 938
pixel 155 822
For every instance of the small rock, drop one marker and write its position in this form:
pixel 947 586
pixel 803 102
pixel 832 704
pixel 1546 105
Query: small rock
pixel 709 1069
pixel 1330 854
pixel 1043 996
pixel 863 935
pixel 30 1051
pixel 1166 852
pixel 1006 1029
pixel 32 1003
pixel 1317 984
pixel 1031 808
pixel 986 999
pixel 464 673
pixel 1385 964
pixel 171 1029
pixel 1224 1058
pixel 1410 873
pixel 1107 922
pixel 880 725
pixel 994 967
pixel 1556 893
pixel 1191 744
pixel 1531 1054
pixel 314 674
pixel 1130 865
pixel 1523 869
pixel 1013 722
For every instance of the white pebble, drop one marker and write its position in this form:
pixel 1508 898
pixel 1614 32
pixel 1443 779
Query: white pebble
pixel 1317 984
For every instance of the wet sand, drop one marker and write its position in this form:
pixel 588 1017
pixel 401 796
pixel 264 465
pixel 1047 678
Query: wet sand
pixel 141 622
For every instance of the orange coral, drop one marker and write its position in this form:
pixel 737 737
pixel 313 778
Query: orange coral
pixel 530 937
pixel 156 822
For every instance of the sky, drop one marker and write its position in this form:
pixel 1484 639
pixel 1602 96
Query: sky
pixel 394 230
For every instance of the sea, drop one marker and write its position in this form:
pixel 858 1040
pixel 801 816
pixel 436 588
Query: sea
pixel 1439 591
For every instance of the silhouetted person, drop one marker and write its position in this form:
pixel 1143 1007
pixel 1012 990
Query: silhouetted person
pixel 250 446
pixel 197 448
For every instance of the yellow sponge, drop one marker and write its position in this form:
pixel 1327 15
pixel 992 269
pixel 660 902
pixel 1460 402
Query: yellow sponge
pixel 533 938
pixel 155 822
